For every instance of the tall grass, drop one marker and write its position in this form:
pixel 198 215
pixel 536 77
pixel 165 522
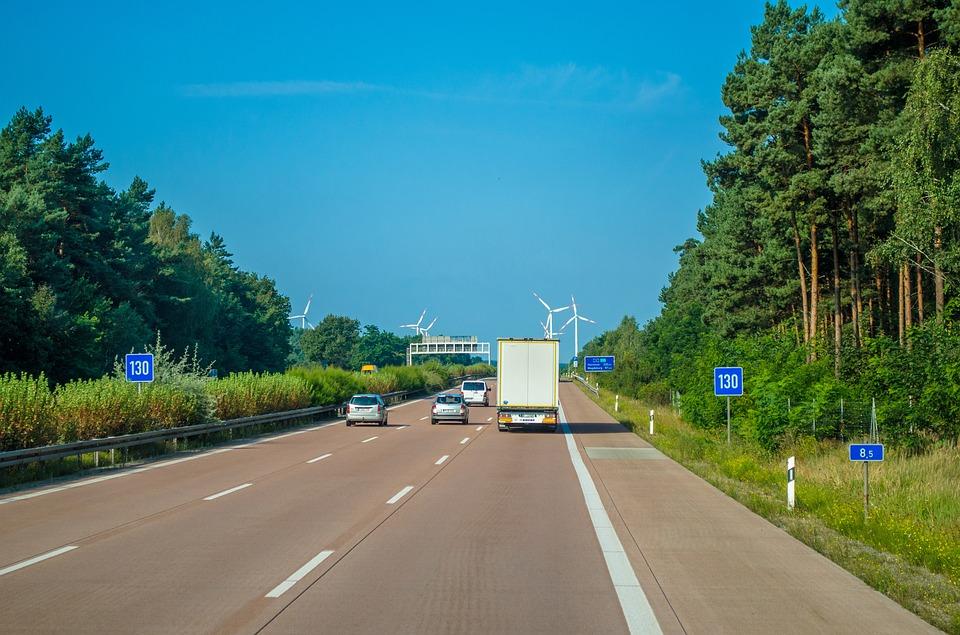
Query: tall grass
pixel 26 412
pixel 32 414
pixel 334 385
pixel 914 503
pixel 247 394
pixel 110 407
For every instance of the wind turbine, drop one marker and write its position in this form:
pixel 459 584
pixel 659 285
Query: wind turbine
pixel 548 332
pixel 303 316
pixel 576 319
pixel 416 327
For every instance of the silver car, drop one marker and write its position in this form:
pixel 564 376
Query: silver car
pixel 367 408
pixel 449 407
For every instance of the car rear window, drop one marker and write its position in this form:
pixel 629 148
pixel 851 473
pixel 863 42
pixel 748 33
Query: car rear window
pixel 365 400
pixel 448 399
pixel 474 385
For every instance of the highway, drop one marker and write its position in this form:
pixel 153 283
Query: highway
pixel 416 528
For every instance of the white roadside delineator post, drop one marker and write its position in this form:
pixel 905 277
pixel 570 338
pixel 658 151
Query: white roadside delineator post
pixel 616 404
pixel 791 476
pixel 651 423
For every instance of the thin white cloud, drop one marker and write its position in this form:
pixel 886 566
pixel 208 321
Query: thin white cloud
pixel 287 88
pixel 574 85
pixel 568 85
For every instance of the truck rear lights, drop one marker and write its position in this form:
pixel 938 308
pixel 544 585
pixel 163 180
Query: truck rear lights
pixel 504 419
pixel 549 419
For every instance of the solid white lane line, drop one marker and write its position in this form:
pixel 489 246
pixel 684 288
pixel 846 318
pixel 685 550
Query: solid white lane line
pixel 489 418
pixel 465 439
pixel 634 604
pixel 152 466
pixel 319 458
pixel 36 559
pixel 406 490
pixel 479 428
pixel 442 459
pixel 299 574
pixel 424 418
pixel 369 440
pixel 227 491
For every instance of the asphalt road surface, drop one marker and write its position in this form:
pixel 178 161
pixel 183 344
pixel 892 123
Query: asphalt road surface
pixel 415 528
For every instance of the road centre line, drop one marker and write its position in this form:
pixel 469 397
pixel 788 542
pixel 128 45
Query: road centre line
pixel 227 491
pixel 442 459
pixel 298 575
pixel 479 428
pixel 424 418
pixel 403 427
pixel 152 466
pixel 36 559
pixel 320 458
pixel 489 418
pixel 465 439
pixel 406 490
pixel 634 604
pixel 369 440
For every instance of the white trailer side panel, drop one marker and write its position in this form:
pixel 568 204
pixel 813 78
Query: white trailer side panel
pixel 527 373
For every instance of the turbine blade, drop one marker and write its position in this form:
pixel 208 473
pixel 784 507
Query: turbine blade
pixel 431 325
pixel 421 317
pixel 586 319
pixel 567 323
pixel 307 308
pixel 541 300
pixel 561 309
pixel 573 302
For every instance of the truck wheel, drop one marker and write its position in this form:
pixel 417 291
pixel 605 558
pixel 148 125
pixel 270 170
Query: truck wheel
pixel 433 421
pixel 349 423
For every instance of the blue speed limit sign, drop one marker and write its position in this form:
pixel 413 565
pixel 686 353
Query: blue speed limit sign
pixel 139 367
pixel 728 381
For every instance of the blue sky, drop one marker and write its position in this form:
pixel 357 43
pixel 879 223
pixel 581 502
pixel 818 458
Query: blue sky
pixel 389 158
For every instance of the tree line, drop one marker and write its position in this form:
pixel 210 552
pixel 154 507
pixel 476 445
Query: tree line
pixel 88 273
pixel 832 234
pixel 338 340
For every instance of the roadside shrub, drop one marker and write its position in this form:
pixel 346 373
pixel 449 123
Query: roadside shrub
pixel 248 394
pixel 26 412
pixel 329 385
pixel 107 407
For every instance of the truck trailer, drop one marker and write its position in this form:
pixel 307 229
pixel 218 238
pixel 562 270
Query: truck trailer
pixel 528 384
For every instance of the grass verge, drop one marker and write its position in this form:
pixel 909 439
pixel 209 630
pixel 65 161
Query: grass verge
pixel 908 549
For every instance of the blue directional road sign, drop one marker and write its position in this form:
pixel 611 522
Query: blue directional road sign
pixel 866 451
pixel 598 363
pixel 139 367
pixel 728 381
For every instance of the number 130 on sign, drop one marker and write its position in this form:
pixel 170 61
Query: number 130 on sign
pixel 728 381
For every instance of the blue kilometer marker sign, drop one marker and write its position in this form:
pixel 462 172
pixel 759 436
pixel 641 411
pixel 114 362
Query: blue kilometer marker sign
pixel 866 451
pixel 139 367
pixel 598 363
pixel 728 381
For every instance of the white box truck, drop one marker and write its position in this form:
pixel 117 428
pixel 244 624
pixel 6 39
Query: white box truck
pixel 528 374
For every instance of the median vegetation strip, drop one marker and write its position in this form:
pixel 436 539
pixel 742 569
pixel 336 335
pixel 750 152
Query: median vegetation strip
pixel 908 549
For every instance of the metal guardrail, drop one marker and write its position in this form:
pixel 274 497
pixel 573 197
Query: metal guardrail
pixel 53 452
pixel 594 389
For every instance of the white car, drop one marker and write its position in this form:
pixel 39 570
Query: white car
pixel 475 393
